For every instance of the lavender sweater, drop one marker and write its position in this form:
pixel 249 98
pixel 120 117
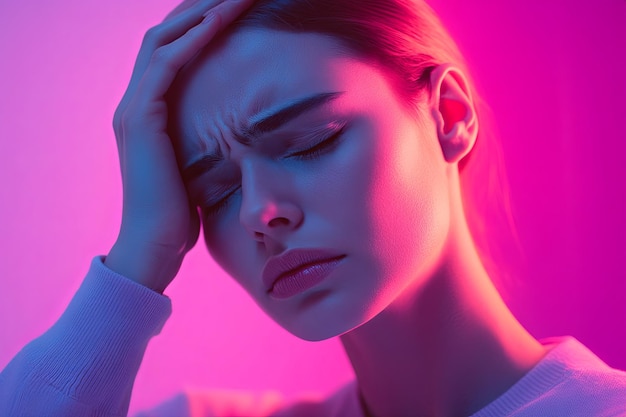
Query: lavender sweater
pixel 85 365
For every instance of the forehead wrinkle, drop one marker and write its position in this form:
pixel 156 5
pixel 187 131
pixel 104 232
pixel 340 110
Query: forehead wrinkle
pixel 251 103
pixel 213 130
pixel 207 144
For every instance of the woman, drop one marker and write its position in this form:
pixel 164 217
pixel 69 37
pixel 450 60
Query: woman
pixel 327 145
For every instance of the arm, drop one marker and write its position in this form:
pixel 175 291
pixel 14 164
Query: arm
pixel 86 363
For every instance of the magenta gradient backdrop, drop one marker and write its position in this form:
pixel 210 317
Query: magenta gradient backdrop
pixel 553 72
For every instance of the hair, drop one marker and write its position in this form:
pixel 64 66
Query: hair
pixel 407 38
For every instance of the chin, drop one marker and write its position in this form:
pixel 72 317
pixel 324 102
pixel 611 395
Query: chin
pixel 318 334
pixel 326 321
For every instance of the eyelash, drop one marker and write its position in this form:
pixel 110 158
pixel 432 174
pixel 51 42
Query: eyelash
pixel 311 153
pixel 216 208
pixel 320 148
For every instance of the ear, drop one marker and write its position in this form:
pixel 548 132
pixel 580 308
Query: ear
pixel 453 111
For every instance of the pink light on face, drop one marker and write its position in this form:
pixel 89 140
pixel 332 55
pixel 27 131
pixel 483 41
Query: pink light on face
pixel 552 73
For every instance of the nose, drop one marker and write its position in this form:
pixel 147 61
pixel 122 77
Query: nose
pixel 269 207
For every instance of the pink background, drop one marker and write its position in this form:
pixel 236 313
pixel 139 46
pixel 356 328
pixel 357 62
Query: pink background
pixel 552 70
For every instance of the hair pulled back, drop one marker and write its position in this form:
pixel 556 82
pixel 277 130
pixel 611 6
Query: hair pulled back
pixel 407 39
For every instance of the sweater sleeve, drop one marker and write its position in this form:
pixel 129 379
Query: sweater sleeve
pixel 86 363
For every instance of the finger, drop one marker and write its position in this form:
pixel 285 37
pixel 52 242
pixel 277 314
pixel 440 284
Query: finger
pixel 195 10
pixel 176 24
pixel 157 36
pixel 186 4
pixel 172 55
pixel 167 60
pixel 169 31
pixel 230 10
pixel 180 8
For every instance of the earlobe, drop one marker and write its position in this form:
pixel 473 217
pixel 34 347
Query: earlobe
pixel 454 113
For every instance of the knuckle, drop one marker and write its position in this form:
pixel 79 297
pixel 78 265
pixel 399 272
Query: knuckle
pixel 163 57
pixel 160 55
pixel 151 35
pixel 127 121
pixel 117 118
pixel 117 124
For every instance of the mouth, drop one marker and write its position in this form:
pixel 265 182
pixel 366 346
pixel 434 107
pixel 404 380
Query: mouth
pixel 297 270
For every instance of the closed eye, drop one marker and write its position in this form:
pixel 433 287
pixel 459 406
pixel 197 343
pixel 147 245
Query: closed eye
pixel 217 207
pixel 323 147
pixel 326 145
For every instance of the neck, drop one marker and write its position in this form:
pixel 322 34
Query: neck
pixel 446 349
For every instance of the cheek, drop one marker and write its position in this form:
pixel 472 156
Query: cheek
pixel 409 205
pixel 224 238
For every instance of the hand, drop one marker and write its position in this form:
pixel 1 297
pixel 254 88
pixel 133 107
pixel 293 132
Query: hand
pixel 159 225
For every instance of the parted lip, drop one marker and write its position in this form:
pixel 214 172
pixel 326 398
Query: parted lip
pixel 293 260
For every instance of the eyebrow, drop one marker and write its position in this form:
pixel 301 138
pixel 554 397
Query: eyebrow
pixel 251 134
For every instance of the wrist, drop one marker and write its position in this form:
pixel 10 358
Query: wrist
pixel 148 267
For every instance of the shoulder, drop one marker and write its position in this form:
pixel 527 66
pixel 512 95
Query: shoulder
pixel 585 377
pixel 233 403
pixel 569 381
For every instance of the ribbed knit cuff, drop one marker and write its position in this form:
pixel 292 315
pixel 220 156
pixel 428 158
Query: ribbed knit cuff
pixel 106 326
pixel 91 355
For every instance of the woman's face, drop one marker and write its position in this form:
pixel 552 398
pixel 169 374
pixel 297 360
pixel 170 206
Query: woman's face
pixel 347 191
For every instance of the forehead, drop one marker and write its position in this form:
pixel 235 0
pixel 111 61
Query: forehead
pixel 251 72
